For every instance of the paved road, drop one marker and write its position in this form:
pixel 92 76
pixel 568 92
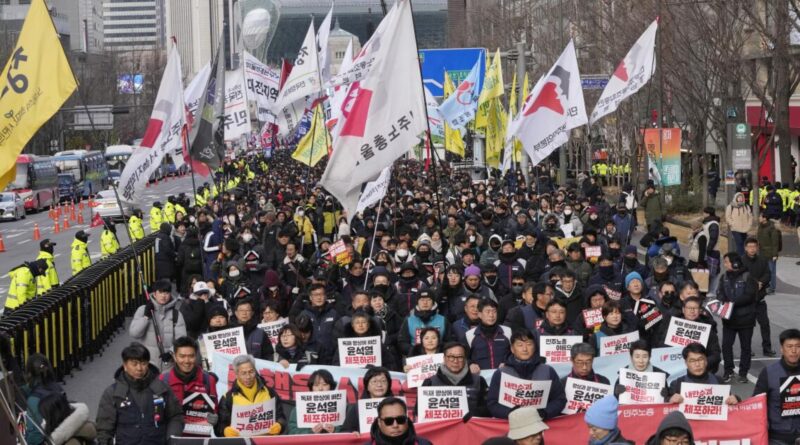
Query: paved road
pixel 20 246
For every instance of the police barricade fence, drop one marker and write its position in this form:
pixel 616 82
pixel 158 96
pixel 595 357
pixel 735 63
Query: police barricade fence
pixel 71 323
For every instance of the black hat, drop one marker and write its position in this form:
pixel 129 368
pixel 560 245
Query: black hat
pixel 162 285
pixel 82 235
pixel 46 242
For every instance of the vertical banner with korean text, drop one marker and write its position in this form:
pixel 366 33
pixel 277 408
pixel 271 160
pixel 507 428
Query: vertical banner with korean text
pixel 664 163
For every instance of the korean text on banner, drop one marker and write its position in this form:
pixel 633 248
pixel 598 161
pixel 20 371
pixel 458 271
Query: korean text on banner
pixel 237 113
pixel 375 190
pixel 704 402
pixel 515 392
pixel 441 403
pixel 196 408
pixel 358 352
pixel 790 397
pixel 255 419
pixel 304 79
pixel 272 328
pixel 226 341
pixel 555 348
pixel 648 313
pixel 582 393
pixel 641 387
pixel 592 318
pixel 263 84
pixel 422 367
pixel 325 407
pixel 368 412
pixel 617 344
pixel 37 80
pixel 684 332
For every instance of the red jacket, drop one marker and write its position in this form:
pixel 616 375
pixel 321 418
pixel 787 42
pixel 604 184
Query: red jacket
pixel 194 410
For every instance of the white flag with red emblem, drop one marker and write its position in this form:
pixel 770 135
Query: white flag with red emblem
pixel 554 107
pixel 384 112
pixel 631 74
pixel 459 109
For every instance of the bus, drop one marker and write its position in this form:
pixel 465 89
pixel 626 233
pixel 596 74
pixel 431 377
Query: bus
pixel 117 157
pixel 36 182
pixel 88 168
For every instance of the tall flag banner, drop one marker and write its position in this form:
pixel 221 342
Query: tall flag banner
pixel 435 119
pixel 492 87
pixel 459 109
pixel 632 73
pixel 517 144
pixel 452 136
pixel 36 81
pixel 163 134
pixel 322 44
pixel 194 91
pixel 304 79
pixel 508 150
pixel 375 190
pixel 495 133
pixel 554 107
pixel 204 138
pixel 384 112
pixel 237 113
pixel 314 145
pixel 263 86
pixel 339 94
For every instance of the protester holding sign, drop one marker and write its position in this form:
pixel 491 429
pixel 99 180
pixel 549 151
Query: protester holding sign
pixel 614 324
pixel 377 383
pixel 320 380
pixel 363 326
pixel 601 418
pixel 249 389
pixel 591 317
pixel 780 381
pixel 640 362
pixel 430 343
pixel 291 349
pixel 692 311
pixel 697 371
pixel 454 372
pixel 524 364
pixel 582 358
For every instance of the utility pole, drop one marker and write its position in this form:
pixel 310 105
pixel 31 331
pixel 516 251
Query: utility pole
pixel 562 151
pixel 521 102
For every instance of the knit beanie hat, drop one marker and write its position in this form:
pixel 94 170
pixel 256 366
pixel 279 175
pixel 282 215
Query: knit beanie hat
pixel 472 270
pixel 603 413
pixel 633 276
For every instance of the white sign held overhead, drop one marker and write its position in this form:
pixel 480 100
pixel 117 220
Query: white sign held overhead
pixel 263 86
pixel 237 113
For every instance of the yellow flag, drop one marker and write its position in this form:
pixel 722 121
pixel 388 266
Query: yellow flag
pixel 36 81
pixel 495 133
pixel 452 137
pixel 512 100
pixel 517 143
pixel 492 87
pixel 314 144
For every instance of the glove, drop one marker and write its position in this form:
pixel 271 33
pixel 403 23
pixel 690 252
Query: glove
pixel 212 419
pixel 230 432
pixel 619 389
pixel 665 392
pixel 295 290
pixel 275 429
pixel 149 308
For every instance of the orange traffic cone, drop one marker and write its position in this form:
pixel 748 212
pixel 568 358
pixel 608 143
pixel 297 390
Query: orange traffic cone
pixel 36 234
pixel 56 227
pixel 80 206
pixel 80 218
pixel 66 222
pixel 51 212
pixel 2 244
pixel 72 213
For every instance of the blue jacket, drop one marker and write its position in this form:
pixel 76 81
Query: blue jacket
pixel 533 369
pixel 488 348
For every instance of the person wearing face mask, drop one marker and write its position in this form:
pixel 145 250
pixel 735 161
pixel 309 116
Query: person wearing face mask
pixel 629 262
pixel 305 231
pixel 491 281
pixel 403 255
pixel 381 282
pixel 254 256
pixel 514 297
pixel 607 276
pixel 569 216
pixel 50 278
pixel 274 291
pixel 235 286
pixel 424 315
pixel 330 218
pixel 624 224
pixel 640 361
pixel 552 228
pixel 407 289
pixel 492 252
pixel 508 264
pixel 614 249
pixel 592 220
pixel 576 263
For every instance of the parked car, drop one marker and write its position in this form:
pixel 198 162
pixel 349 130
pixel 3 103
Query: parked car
pixel 107 206
pixel 68 188
pixel 11 206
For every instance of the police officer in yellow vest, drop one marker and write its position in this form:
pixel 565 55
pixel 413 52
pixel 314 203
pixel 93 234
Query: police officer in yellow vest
pixel 50 278
pixel 156 217
pixel 169 210
pixel 200 197
pixel 80 258
pixel 135 227
pixel 23 283
pixel 108 240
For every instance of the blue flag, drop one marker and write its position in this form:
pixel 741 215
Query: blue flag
pixel 460 107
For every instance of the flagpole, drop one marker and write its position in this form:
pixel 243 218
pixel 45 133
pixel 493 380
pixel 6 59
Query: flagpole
pixel 313 117
pixel 372 243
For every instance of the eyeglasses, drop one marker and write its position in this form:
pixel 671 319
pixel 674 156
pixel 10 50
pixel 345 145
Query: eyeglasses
pixel 691 308
pixel 382 382
pixel 455 358
pixel 401 420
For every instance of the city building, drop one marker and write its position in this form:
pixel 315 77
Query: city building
pixel 338 41
pixel 85 20
pixel 196 26
pixel 134 26
pixel 13 13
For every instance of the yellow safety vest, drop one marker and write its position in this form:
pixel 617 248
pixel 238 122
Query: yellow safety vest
pixel 23 287
pixel 156 218
pixel 50 277
pixel 108 244
pixel 136 228
pixel 79 257
pixel 169 212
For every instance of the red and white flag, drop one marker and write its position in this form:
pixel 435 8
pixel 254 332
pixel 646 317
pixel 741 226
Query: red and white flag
pixel 163 134
pixel 631 74
pixel 554 107
pixel 383 112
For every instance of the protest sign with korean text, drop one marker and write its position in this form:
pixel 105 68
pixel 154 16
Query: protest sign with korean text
pixel 253 420
pixel 515 391
pixel 648 312
pixel 422 367
pixel 555 348
pixel 358 352
pixel 641 387
pixel 368 412
pixel 325 407
pixel 582 393
pixel 704 402
pixel 271 328
pixel 196 408
pixel 790 397
pixel 684 332
pixel 592 318
pixel 441 403
pixel 617 344
pixel 226 341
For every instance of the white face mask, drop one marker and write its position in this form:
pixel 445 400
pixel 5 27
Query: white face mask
pixel 273 288
pixel 212 292
pixel 233 273
pixel 192 219
pixel 247 237
pixel 402 253
pixel 262 201
pixel 300 213
pixel 472 238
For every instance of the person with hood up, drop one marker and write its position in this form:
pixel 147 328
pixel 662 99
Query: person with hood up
pixel 393 427
pixel 138 408
pixel 739 216
pixel 248 389
pixel 361 325
pixel 217 320
pixel 252 252
pixel 23 283
pixel 79 256
pixel 568 216
pixel 165 253
pixel 274 290
pixel 407 289
pixel 508 264
pixel 489 341
pixel 601 418
pixel 673 430
pixel 189 259
pixel 165 311
pixel 551 227
pixel 525 364
pixel 492 252
pixel 424 315
pixel 235 287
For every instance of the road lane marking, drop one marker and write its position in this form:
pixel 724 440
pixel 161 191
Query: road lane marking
pixel 15 235
pixel 24 241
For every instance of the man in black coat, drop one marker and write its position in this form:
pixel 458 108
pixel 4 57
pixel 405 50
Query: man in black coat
pixel 737 286
pixel 165 253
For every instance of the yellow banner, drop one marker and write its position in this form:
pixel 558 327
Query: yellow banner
pixel 492 88
pixel 36 81
pixel 452 137
pixel 315 144
pixel 495 133
pixel 517 143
